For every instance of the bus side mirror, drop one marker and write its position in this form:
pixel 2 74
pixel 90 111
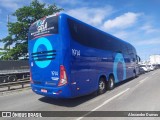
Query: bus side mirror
pixel 138 58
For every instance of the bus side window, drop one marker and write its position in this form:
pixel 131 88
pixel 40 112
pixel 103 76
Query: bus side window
pixel 75 28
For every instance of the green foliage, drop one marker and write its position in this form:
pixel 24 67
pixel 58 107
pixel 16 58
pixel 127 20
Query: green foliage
pixel 16 43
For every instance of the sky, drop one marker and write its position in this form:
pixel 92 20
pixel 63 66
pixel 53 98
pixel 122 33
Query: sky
pixel 134 21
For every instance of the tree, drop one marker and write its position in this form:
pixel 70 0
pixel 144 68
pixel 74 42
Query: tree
pixel 18 31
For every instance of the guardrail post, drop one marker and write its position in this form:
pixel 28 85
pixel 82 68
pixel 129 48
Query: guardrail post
pixel 10 84
pixel 9 87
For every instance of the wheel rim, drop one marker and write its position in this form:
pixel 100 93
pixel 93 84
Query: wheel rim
pixel 101 85
pixel 111 83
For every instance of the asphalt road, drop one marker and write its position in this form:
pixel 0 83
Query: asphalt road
pixel 139 94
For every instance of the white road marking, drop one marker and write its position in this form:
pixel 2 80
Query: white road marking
pixel 143 80
pixel 137 85
pixel 154 73
pixel 105 102
pixel 140 82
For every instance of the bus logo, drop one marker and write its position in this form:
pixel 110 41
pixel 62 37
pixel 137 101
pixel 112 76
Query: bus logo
pixel 119 58
pixel 47 44
pixel 41 24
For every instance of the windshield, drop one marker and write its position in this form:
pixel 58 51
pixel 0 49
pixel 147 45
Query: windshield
pixel 43 27
pixel 142 65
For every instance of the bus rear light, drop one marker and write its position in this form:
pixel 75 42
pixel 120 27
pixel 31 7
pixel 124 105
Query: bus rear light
pixel 63 76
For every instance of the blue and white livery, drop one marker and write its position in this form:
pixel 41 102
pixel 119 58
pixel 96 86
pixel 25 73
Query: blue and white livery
pixel 69 58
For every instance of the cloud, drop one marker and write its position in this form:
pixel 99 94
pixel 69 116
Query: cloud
pixel 149 29
pixel 121 34
pixel 153 41
pixel 93 16
pixel 9 4
pixel 12 4
pixel 68 2
pixel 121 22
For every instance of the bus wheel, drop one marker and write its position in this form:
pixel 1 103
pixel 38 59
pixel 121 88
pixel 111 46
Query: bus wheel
pixel 101 86
pixel 110 84
pixel 134 74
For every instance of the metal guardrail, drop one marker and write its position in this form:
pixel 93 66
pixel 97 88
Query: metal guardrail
pixel 5 72
pixel 19 82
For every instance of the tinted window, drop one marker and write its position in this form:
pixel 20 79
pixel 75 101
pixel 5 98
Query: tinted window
pixel 44 26
pixel 89 37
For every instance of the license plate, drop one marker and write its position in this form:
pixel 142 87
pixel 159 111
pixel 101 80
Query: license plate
pixel 44 90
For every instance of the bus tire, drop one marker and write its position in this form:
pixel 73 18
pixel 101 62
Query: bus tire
pixel 134 74
pixel 110 83
pixel 101 86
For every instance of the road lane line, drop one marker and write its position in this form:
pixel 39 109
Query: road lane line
pixel 143 80
pixel 154 73
pixel 105 102
pixel 137 85
pixel 140 82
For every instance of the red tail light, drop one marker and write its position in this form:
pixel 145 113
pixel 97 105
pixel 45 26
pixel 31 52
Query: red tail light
pixel 31 81
pixel 63 76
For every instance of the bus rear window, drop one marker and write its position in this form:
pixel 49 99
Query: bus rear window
pixel 43 27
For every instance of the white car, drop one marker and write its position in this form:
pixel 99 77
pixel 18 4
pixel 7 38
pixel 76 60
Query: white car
pixel 145 68
pixel 152 67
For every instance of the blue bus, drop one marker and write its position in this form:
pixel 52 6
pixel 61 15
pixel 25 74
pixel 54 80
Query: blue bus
pixel 69 58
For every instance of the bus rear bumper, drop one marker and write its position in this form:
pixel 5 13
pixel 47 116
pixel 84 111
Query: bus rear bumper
pixel 58 92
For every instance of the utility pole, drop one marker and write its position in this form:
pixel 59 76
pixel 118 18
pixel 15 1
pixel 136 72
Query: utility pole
pixel 8 19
